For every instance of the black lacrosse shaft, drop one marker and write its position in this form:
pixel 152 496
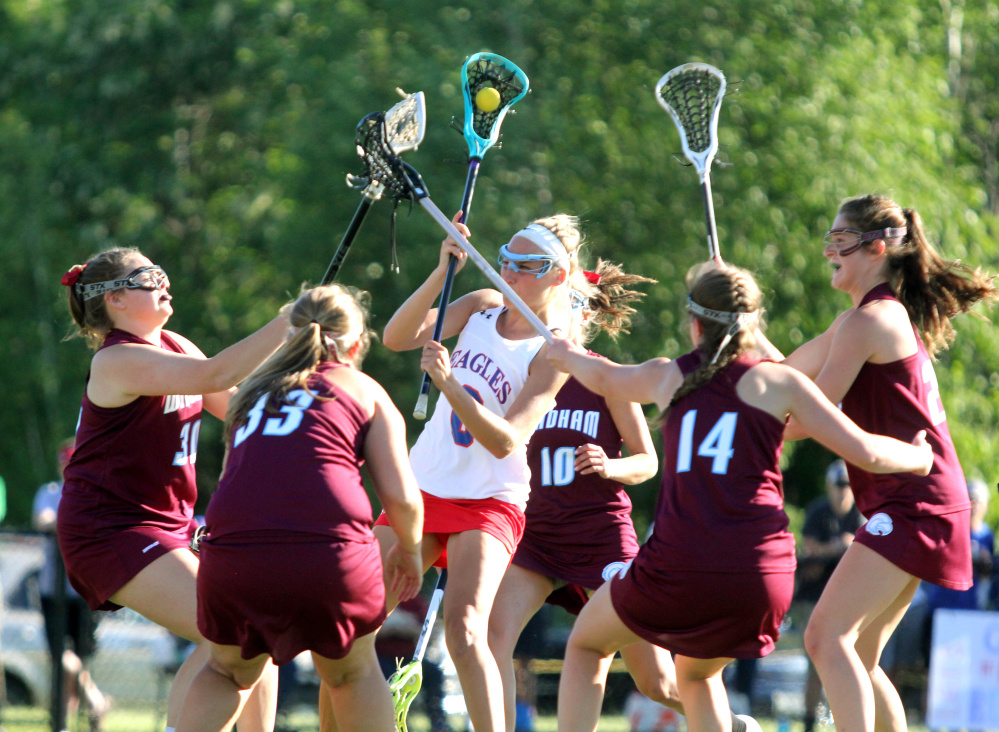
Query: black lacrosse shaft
pixel 466 203
pixel 709 210
pixel 348 238
pixel 428 622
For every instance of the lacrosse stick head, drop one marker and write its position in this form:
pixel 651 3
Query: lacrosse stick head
pixel 692 94
pixel 384 169
pixel 483 71
pixel 405 684
pixel 406 122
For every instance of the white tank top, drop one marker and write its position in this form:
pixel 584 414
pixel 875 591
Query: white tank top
pixel 447 461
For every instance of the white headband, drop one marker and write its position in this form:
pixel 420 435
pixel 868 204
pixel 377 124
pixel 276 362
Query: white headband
pixel 547 242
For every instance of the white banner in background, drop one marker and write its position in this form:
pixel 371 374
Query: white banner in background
pixel 964 671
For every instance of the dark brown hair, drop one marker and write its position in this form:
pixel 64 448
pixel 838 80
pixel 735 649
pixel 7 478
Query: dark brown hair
pixel 932 289
pixel 92 319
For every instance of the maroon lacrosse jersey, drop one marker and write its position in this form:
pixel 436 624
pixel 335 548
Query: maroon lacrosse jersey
pixel 570 509
pixel 898 399
pixel 293 472
pixel 717 575
pixel 919 523
pixel 721 507
pixel 133 465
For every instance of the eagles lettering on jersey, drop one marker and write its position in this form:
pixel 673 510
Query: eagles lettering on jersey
pixel 573 419
pixel 176 402
pixel 481 364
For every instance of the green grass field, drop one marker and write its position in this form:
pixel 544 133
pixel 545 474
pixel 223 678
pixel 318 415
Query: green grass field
pixel 26 719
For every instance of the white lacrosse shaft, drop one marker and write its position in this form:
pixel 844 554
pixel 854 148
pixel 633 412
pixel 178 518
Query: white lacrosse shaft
pixel 487 269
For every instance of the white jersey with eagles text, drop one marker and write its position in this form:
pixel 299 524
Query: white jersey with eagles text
pixel 447 460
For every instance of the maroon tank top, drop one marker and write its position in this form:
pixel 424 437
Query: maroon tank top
pixel 721 507
pixel 293 473
pixel 898 399
pixel 134 464
pixel 565 503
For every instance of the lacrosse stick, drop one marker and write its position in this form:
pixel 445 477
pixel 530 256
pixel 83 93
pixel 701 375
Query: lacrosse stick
pixel 404 182
pixel 490 85
pixel 405 124
pixel 692 94
pixel 405 683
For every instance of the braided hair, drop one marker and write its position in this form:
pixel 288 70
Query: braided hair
pixel 932 289
pixel 327 322
pixel 726 301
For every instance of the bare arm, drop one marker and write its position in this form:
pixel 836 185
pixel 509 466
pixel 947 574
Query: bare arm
pixel 821 420
pixel 652 382
pixel 412 325
pixel 123 372
pixel 387 460
pixel 639 465
pixel 500 435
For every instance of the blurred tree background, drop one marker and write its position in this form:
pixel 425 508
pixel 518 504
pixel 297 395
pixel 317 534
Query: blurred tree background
pixel 216 136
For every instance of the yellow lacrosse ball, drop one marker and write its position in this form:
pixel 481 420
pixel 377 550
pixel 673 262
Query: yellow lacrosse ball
pixel 487 99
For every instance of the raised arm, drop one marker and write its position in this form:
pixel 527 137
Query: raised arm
pixel 123 372
pixel 652 382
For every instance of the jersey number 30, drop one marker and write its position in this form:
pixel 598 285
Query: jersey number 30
pixel 717 445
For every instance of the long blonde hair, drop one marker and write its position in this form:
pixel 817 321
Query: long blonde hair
pixel 327 322
pixel 609 299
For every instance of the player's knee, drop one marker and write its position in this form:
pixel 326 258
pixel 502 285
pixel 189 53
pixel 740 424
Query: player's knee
pixel 660 688
pixel 464 631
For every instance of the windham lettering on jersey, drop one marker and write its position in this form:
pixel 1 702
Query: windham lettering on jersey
pixel 587 422
pixel 176 402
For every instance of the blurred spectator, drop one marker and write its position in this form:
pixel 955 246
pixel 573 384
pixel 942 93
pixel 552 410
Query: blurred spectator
pixel 982 550
pixel 80 623
pixel 830 523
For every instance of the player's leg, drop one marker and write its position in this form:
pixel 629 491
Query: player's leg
pixel 476 564
pixel 165 592
pixel 655 676
pixel 703 692
pixel 220 690
pixel 864 587
pixel 889 712
pixel 432 548
pixel 597 634
pixel 359 698
pixel 520 595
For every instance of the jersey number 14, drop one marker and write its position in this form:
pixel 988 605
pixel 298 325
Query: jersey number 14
pixel 717 445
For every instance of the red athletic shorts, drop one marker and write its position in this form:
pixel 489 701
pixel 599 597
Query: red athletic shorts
pixel 445 516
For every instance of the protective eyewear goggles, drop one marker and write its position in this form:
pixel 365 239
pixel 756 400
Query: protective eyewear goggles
pixel 513 262
pixel 149 278
pixel 847 241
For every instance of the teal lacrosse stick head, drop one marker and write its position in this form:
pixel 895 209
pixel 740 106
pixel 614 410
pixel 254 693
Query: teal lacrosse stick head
pixel 491 85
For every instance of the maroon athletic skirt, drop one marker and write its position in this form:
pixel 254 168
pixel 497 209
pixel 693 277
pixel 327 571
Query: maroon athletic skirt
pixel 578 569
pixel 285 598
pixel 704 614
pixel 935 548
pixel 99 567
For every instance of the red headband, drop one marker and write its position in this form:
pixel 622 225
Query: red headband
pixel 73 275
pixel 592 277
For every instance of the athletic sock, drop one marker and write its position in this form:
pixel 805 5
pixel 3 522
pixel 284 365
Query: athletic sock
pixel 738 725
